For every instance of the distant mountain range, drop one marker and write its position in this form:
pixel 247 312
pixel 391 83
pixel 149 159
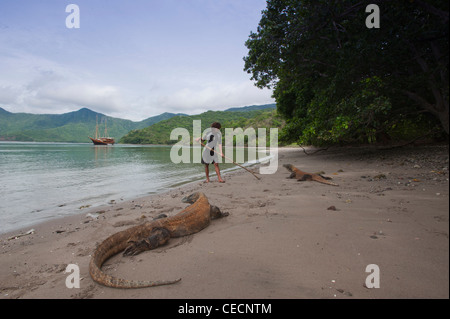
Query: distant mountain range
pixel 72 127
pixel 250 116
pixel 252 108
pixel 76 126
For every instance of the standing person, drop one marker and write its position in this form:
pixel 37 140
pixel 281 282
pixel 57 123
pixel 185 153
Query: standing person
pixel 213 138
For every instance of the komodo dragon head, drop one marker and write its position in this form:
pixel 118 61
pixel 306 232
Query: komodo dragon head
pixel 215 211
pixel 191 199
pixel 289 167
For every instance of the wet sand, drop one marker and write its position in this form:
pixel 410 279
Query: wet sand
pixel 282 239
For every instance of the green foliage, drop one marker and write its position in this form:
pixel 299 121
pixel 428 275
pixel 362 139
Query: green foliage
pixel 336 81
pixel 409 129
pixel 159 133
pixel 77 126
pixel 73 127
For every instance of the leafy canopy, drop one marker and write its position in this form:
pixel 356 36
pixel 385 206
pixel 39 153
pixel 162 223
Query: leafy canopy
pixel 335 80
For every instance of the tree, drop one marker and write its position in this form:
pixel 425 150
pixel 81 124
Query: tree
pixel 335 80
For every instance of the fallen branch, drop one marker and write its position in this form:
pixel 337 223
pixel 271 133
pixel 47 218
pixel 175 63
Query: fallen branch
pixel 30 232
pixel 316 151
pixel 405 144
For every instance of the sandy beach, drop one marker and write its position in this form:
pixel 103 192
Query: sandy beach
pixel 282 239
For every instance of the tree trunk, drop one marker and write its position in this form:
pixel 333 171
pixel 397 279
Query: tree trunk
pixel 440 110
pixel 443 117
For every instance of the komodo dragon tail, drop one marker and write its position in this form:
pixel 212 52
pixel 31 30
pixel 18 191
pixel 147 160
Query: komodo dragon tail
pixel 108 248
pixel 321 179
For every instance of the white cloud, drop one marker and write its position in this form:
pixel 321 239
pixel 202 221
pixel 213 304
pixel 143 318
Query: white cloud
pixel 38 85
pixel 8 95
pixel 217 96
pixel 129 68
pixel 102 98
pixel 33 84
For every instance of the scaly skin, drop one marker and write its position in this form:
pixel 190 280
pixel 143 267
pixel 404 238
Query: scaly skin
pixel 303 176
pixel 150 236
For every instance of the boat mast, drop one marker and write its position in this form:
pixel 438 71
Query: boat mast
pixel 96 126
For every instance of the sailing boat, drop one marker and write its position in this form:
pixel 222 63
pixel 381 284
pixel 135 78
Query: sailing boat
pixel 101 140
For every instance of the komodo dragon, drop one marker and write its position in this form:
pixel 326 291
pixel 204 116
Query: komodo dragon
pixel 303 176
pixel 151 235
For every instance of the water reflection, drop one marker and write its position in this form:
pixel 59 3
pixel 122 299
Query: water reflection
pixel 45 180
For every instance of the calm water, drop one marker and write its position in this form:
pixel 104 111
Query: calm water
pixel 39 181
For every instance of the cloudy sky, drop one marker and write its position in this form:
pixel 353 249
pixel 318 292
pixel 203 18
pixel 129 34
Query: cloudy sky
pixel 129 59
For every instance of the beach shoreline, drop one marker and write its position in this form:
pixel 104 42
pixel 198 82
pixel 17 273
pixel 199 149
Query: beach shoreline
pixel 283 238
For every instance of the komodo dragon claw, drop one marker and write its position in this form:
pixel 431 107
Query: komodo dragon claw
pixel 158 237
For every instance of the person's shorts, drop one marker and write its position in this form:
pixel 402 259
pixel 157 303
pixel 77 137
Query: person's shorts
pixel 212 156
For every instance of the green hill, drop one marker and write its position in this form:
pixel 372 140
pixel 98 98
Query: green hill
pixel 252 108
pixel 75 127
pixel 159 133
pixel 68 127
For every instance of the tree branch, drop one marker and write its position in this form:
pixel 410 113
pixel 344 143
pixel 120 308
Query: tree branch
pixel 433 10
pixel 421 101
pixel 316 151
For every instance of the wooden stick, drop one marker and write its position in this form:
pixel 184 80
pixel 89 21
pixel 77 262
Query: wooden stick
pixel 30 232
pixel 230 160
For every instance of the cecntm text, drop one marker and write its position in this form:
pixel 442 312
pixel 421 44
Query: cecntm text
pixel 226 308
